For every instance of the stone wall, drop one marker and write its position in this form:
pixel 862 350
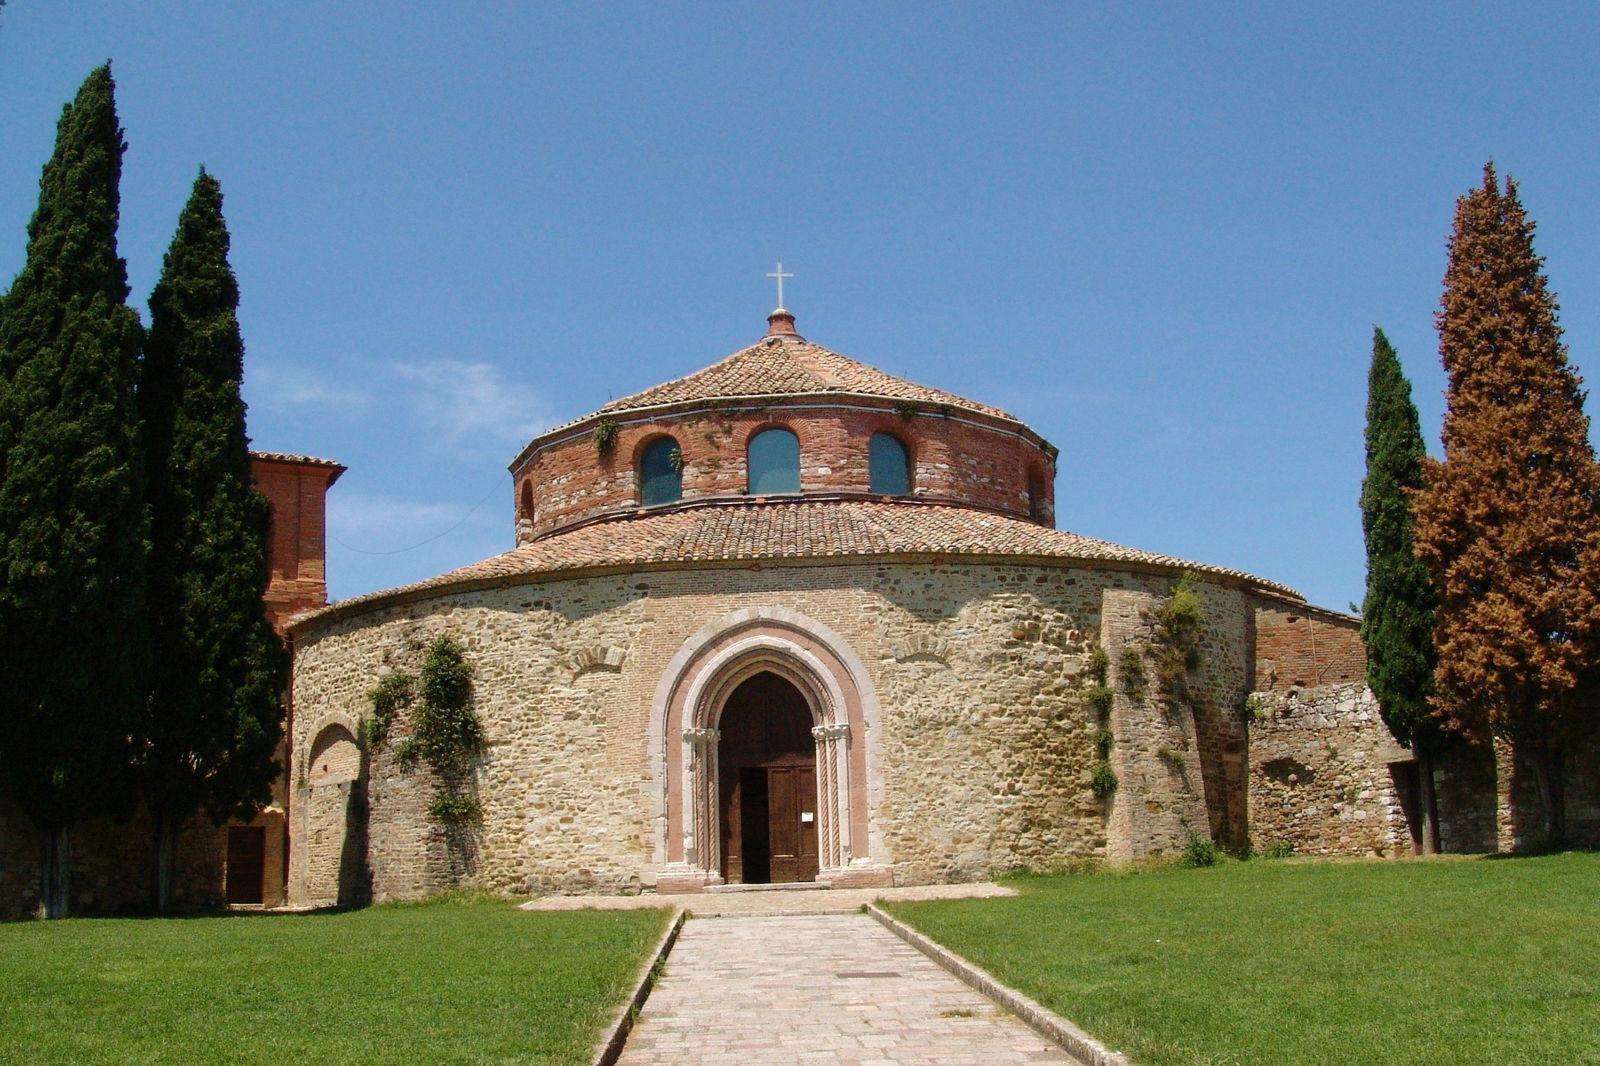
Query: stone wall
pixel 1322 776
pixel 1179 763
pixel 963 457
pixel 111 865
pixel 981 761
pixel 1488 800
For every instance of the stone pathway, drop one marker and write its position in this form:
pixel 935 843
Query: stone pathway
pixel 818 989
pixel 772 901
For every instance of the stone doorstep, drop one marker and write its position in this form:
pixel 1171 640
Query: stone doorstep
pixel 616 1036
pixel 1041 1019
pixel 773 886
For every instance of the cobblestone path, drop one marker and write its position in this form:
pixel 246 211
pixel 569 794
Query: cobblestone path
pixel 818 989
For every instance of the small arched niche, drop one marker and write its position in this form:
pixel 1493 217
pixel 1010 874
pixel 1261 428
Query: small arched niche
pixel 772 461
pixel 660 472
pixel 888 465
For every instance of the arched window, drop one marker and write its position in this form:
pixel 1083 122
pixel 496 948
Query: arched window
pixel 888 465
pixel 525 505
pixel 1036 503
pixel 773 463
pixel 660 473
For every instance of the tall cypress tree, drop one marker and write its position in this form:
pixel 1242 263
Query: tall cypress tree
pixel 1509 523
pixel 72 513
pixel 214 717
pixel 1397 614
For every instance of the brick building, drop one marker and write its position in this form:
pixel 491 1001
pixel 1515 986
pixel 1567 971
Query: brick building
pixel 792 618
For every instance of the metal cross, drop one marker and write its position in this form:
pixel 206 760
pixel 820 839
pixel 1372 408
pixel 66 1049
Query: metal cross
pixel 780 275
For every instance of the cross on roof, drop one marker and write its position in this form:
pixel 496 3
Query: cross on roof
pixel 780 275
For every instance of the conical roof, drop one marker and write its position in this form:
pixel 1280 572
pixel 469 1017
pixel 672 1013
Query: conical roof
pixel 790 365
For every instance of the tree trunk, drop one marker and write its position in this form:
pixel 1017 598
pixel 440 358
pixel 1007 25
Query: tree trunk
pixel 165 840
pixel 55 870
pixel 1428 798
pixel 1546 764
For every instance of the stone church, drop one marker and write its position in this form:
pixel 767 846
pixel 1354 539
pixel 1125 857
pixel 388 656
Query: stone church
pixel 791 618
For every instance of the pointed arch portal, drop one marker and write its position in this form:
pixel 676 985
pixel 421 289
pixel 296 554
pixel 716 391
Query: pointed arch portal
pixel 765 701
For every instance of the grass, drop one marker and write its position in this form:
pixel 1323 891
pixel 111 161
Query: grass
pixel 1442 961
pixel 453 982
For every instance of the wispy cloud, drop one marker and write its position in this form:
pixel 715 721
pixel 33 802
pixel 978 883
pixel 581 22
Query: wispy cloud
pixel 464 402
pixel 281 386
pixel 465 399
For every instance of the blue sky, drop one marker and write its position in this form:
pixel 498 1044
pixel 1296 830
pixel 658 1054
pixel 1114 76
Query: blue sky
pixel 1159 234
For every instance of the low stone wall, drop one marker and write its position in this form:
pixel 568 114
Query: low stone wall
pixel 1320 774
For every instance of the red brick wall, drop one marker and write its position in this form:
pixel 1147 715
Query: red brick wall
pixel 297 545
pixel 960 458
pixel 1299 646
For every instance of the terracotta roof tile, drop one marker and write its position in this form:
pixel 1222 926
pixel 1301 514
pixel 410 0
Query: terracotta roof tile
pixel 798 529
pixel 288 457
pixel 789 366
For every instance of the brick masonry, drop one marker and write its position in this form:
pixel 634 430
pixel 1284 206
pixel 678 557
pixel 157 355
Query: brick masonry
pixel 958 456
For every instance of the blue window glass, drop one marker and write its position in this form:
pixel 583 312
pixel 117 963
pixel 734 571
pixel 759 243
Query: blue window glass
pixel 888 465
pixel 773 461
pixel 660 480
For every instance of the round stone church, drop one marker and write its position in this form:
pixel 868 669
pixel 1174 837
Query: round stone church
pixel 788 619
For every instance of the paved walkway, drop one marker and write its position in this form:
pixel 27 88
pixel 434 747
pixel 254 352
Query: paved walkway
pixel 818 989
pixel 772 901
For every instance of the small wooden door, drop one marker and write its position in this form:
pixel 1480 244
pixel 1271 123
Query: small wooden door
pixel 792 823
pixel 247 854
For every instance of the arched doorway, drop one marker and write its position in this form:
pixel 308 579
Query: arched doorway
pixel 330 819
pixel 767 770
pixel 701 693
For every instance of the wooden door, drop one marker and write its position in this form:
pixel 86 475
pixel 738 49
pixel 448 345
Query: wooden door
pixel 792 822
pixel 247 854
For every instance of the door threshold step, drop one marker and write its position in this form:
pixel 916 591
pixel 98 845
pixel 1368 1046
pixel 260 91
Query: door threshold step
pixel 780 886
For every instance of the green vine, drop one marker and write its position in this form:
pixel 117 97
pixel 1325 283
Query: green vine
pixel 1130 671
pixel 445 731
pixel 1103 782
pixel 675 460
pixel 392 694
pixel 1175 637
pixel 1099 696
pixel 905 408
pixel 604 436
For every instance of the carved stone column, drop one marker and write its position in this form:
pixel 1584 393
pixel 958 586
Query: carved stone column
pixel 701 846
pixel 833 794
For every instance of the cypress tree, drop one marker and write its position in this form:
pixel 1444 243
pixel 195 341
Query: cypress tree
pixel 214 720
pixel 1397 615
pixel 1509 523
pixel 72 515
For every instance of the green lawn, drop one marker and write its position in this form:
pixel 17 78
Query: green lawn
pixel 439 983
pixel 1470 961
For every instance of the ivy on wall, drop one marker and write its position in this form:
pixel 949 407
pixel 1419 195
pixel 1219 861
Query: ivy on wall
pixel 1102 779
pixel 445 731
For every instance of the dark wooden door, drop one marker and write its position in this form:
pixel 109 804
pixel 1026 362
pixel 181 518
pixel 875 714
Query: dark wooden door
pixel 247 854
pixel 792 822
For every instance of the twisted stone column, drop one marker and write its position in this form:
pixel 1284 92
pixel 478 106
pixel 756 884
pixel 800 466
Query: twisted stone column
pixel 702 848
pixel 833 794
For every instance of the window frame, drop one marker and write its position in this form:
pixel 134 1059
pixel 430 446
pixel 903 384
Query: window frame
pixel 749 479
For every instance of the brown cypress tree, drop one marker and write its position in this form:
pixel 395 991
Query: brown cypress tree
pixel 1509 522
